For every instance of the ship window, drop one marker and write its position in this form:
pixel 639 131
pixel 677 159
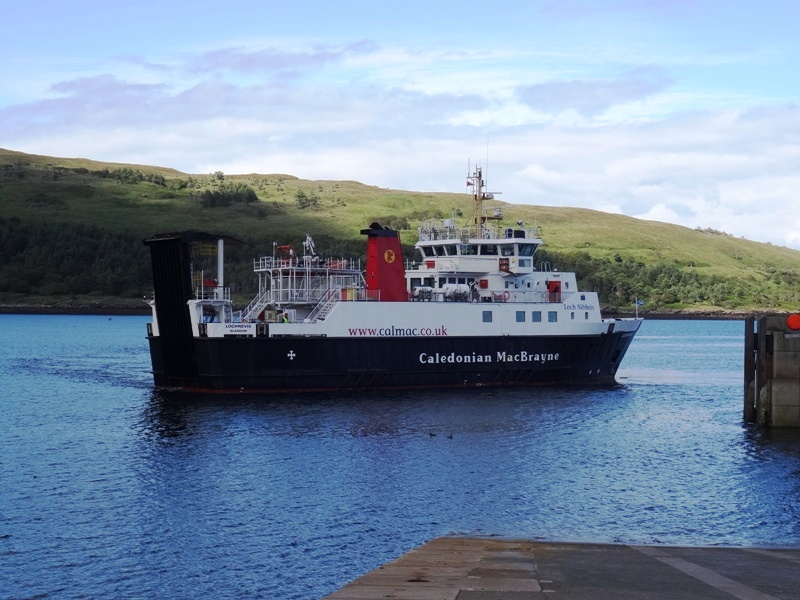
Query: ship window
pixel 470 280
pixel 583 296
pixel 462 280
pixel 536 316
pixel 451 280
pixel 586 316
pixel 451 250
pixel 439 250
pixel 428 251
pixel 552 316
pixel 520 316
pixel 572 316
pixel 527 249
pixel 430 282
pixel 487 316
pixel 489 250
pixel 507 250
pixel 566 285
pixel 415 282
pixel 442 281
pixel 469 249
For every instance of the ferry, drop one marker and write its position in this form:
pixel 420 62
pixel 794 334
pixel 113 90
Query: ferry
pixel 473 309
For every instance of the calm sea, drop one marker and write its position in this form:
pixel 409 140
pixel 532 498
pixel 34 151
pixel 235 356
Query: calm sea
pixel 109 489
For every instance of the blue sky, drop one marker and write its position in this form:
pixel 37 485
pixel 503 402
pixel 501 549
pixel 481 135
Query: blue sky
pixel 684 111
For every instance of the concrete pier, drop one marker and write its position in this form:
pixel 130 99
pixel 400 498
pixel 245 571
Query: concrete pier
pixel 494 569
pixel 772 371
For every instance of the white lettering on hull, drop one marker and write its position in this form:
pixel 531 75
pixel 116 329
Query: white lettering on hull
pixel 437 359
pixel 524 356
pixel 502 357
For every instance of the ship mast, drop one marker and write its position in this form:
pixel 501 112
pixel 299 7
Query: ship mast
pixel 479 195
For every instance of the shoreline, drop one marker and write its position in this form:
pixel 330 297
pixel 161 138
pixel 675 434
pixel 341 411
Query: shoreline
pixel 123 310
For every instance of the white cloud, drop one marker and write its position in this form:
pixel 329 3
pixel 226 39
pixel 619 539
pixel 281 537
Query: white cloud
pixel 655 124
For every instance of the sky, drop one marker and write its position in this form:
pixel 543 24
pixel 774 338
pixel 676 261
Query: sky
pixel 681 111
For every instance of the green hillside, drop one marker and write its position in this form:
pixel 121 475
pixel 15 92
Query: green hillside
pixel 71 232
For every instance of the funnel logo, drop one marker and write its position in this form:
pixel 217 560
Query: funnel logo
pixel 388 256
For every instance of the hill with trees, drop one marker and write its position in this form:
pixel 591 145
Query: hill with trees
pixel 71 234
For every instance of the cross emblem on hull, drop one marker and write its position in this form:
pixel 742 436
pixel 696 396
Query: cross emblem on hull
pixel 291 355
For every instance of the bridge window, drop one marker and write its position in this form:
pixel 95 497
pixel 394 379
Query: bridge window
pixel 488 249
pixel 507 250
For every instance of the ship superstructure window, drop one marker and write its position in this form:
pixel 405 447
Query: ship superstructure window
pixel 428 251
pixel 527 249
pixel 469 249
pixel 488 249
pixel 525 263
pixel 507 250
pixel 439 250
pixel 487 316
pixel 451 250
pixel 586 316
pixel 572 316
pixel 552 316
pixel 520 316
pixel 536 316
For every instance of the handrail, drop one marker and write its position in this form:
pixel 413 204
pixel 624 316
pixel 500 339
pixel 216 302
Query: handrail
pixel 329 298
pixel 256 305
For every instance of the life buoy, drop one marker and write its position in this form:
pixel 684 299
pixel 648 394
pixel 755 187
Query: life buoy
pixel 506 295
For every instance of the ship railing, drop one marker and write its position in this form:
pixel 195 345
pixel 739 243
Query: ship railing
pixel 335 295
pixel 212 293
pixel 539 297
pixel 446 230
pixel 299 295
pixel 268 263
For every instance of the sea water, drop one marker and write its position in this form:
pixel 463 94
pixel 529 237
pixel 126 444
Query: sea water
pixel 111 489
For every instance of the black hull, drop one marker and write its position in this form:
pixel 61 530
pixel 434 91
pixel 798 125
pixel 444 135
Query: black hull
pixel 270 364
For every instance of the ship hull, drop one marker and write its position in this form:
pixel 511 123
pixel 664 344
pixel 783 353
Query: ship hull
pixel 276 364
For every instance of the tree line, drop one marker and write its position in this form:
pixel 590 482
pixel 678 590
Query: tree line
pixel 43 259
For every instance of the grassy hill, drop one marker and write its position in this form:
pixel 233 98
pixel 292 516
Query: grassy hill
pixel 71 230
